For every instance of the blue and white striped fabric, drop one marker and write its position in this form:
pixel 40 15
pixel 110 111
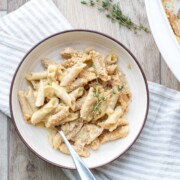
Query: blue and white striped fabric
pixel 19 31
pixel 156 153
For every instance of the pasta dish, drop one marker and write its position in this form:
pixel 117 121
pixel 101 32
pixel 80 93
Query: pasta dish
pixel 173 16
pixel 85 95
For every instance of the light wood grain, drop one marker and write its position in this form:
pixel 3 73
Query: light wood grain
pixel 3 147
pixel 167 78
pixel 3 139
pixel 23 164
pixel 15 4
pixel 3 4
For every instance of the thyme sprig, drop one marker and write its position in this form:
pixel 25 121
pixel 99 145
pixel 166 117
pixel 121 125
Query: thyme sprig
pixel 96 94
pixel 114 12
pixel 100 99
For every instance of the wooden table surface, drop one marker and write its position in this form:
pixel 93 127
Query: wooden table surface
pixel 19 163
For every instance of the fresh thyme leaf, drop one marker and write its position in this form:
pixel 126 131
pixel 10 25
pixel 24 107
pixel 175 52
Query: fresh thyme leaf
pixel 96 94
pixel 103 98
pixel 100 9
pixel 113 91
pixel 91 2
pixel 83 2
pixel 114 12
pixel 95 108
pixel 178 14
pixel 120 88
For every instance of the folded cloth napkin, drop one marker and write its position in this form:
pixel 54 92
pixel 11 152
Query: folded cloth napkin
pixel 19 32
pixel 155 155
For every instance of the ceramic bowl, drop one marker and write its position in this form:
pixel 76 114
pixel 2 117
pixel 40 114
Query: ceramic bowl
pixel 163 34
pixel 36 139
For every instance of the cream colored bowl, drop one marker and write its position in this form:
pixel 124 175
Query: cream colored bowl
pixel 37 138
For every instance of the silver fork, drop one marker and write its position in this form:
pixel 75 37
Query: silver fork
pixel 82 169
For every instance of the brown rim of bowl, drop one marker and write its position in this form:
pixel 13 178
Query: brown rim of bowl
pixel 78 30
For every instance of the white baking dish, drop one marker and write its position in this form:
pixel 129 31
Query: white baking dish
pixel 164 35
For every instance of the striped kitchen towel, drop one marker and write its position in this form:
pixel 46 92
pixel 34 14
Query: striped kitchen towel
pixel 156 153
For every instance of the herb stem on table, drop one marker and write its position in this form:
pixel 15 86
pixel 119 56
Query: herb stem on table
pixel 114 12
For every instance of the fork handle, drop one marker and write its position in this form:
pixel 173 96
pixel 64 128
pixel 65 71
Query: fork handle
pixel 82 169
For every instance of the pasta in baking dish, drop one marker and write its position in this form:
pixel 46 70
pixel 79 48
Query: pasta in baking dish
pixel 170 7
pixel 86 95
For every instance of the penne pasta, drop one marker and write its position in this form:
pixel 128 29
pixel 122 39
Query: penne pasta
pixel 103 105
pixel 26 110
pixel 35 84
pixel 55 119
pixel 88 75
pixel 115 79
pixel 120 132
pixel 79 103
pixel 48 91
pixel 88 106
pixel 40 95
pixel 77 93
pixel 80 82
pixel 51 71
pixel 123 100
pixel 34 76
pixel 60 72
pixel 120 122
pixel 113 101
pixel 41 114
pixel 68 63
pixel 100 66
pixel 72 73
pixel 112 119
pixel 31 99
pixel 69 118
pixel 61 93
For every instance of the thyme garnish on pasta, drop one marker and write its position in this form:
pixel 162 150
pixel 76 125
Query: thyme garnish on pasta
pixel 96 94
pixel 85 103
pixel 120 88
pixel 100 100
